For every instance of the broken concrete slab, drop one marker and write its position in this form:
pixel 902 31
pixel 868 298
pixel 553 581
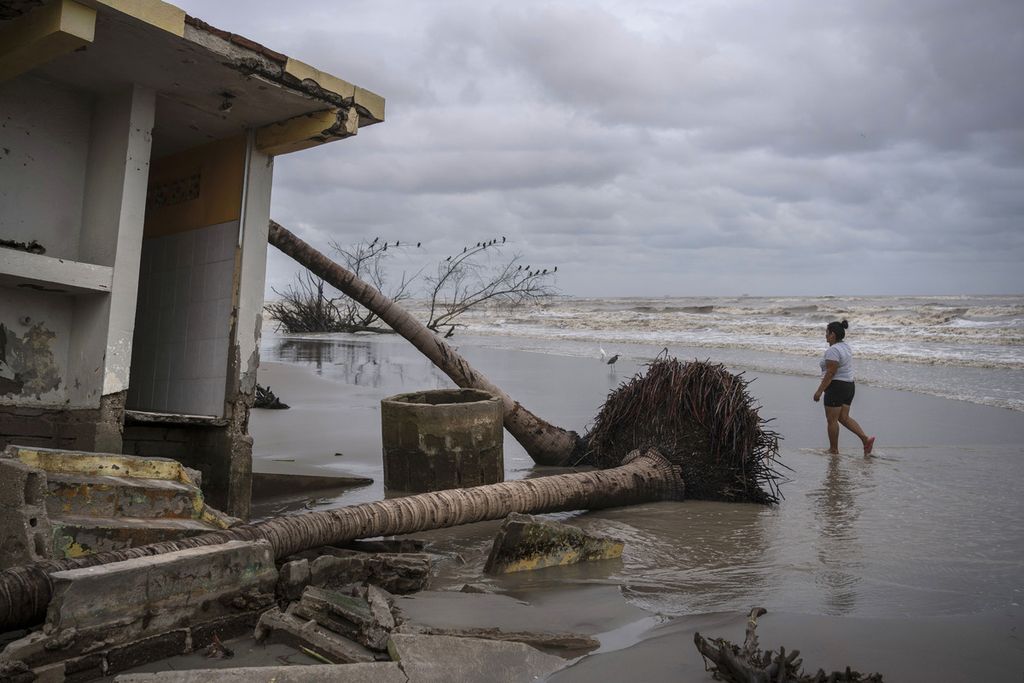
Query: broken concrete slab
pixel 292 579
pixel 276 626
pixel 526 543
pixel 351 616
pixel 453 660
pixel 565 645
pixel 398 573
pixel 377 672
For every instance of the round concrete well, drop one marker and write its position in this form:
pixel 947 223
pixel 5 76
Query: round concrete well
pixel 442 439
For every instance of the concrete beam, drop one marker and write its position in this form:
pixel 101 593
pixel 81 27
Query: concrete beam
pixel 309 130
pixel 100 611
pixel 149 595
pixel 39 36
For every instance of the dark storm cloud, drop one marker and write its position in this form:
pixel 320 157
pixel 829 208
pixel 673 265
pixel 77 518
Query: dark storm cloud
pixel 673 148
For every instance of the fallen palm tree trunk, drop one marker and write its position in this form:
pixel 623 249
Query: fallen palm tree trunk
pixel 544 442
pixel 749 664
pixel 643 477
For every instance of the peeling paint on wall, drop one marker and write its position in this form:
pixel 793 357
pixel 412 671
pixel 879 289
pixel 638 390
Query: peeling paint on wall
pixel 27 364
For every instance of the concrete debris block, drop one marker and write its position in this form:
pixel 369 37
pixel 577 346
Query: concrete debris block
pixel 293 577
pixel 381 606
pixel 377 672
pixel 24 522
pixel 350 616
pixel 15 672
pixel 276 626
pixel 398 573
pixel 474 588
pixel 454 660
pixel 100 608
pixel 161 591
pixel 525 543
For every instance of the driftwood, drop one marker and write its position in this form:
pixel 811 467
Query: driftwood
pixel 750 664
pixel 265 398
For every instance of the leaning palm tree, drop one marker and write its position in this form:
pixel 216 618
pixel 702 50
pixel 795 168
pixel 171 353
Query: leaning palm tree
pixel 25 591
pixel 544 442
pixel 691 423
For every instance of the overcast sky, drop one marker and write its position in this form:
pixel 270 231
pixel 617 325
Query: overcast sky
pixel 672 148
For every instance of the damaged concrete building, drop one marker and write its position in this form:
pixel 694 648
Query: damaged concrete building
pixel 136 157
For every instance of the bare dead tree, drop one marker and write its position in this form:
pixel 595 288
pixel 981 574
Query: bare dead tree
pixel 366 259
pixel 311 305
pixel 462 282
pixel 305 306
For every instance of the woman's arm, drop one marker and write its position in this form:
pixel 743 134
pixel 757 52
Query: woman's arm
pixel 831 366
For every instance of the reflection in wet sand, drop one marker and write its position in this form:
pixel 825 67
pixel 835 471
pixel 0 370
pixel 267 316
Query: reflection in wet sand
pixel 357 362
pixel 837 508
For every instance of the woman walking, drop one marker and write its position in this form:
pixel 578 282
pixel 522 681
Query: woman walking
pixel 837 385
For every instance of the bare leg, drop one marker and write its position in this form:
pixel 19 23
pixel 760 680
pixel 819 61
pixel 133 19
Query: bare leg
pixel 854 426
pixel 832 417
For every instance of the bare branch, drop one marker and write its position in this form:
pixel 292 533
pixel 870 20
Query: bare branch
pixel 462 283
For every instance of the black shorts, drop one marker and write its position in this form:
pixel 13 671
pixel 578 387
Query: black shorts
pixel 839 393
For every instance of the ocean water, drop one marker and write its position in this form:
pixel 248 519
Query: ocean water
pixel 969 348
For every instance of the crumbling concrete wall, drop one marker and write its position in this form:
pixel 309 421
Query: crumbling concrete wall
pixel 24 525
pixel 85 429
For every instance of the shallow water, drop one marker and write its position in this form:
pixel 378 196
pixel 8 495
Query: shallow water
pixel 931 526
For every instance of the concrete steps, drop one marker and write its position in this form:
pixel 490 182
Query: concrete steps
pixel 75 503
pixel 74 536
pixel 107 496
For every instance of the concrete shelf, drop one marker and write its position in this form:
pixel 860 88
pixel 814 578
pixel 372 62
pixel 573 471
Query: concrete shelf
pixel 56 275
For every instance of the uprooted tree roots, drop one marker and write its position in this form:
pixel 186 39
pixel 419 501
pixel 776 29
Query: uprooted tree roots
pixel 700 416
pixel 750 664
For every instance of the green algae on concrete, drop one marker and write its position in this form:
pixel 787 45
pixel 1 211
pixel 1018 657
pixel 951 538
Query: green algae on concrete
pixel 525 543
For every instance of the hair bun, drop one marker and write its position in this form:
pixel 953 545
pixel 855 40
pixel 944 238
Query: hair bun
pixel 845 324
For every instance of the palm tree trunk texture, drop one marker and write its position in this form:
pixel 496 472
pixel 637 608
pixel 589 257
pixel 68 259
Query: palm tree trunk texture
pixel 545 443
pixel 25 591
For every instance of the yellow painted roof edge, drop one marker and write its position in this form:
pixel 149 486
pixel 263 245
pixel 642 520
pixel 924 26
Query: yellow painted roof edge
pixel 162 15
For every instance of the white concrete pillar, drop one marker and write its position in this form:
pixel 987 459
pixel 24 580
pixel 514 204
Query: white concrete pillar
pixel 253 268
pixel 113 212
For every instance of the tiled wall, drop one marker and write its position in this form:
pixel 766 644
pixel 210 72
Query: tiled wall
pixel 182 323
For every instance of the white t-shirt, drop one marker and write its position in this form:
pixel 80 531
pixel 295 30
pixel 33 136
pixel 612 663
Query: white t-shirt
pixel 840 352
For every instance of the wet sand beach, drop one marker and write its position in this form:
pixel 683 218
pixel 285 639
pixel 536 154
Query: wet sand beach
pixel 910 563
